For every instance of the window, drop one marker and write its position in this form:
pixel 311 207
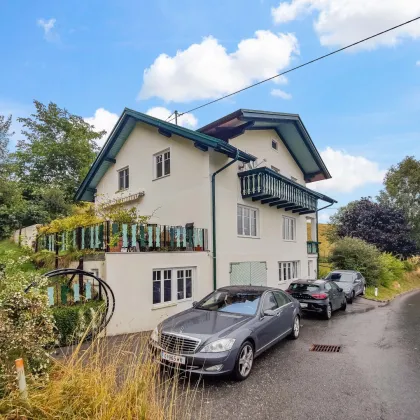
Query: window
pixel 123 179
pixel 270 302
pixel 274 145
pixel 247 220
pixel 289 270
pixel 333 285
pixel 282 299
pixel 289 228
pixel 172 279
pixel 275 169
pixel 184 284
pixel 327 287
pixel 162 164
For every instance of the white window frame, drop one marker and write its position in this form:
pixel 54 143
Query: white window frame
pixel 289 271
pixel 277 170
pixel 188 273
pixel 241 232
pixel 161 155
pixel 289 226
pixel 277 145
pixel 125 187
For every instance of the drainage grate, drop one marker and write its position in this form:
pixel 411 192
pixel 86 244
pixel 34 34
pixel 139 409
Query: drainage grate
pixel 325 348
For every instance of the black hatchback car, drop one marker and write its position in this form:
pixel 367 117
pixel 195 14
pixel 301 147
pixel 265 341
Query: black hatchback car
pixel 319 296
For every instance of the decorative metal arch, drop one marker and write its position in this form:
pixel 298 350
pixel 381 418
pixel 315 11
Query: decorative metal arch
pixel 109 294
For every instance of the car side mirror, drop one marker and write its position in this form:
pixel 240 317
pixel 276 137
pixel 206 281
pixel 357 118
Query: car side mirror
pixel 269 312
pixel 194 304
pixel 340 289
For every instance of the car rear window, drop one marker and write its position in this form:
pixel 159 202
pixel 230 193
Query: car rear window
pixel 302 287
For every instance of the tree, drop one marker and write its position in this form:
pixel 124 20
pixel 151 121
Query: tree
pixel 57 152
pixel 5 134
pixel 402 190
pixel 378 224
pixel 11 204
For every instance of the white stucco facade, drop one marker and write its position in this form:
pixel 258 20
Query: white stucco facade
pixel 183 197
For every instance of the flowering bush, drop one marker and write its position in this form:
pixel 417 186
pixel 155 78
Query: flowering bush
pixel 26 323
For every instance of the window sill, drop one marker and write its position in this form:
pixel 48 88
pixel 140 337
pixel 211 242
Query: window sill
pixel 248 237
pixel 163 305
pixel 163 176
pixel 289 240
pixel 120 191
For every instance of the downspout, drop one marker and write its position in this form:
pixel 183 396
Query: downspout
pixel 317 239
pixel 213 209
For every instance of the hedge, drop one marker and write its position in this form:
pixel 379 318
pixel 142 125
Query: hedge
pixel 72 321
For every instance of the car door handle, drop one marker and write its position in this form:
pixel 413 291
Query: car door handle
pixel 278 313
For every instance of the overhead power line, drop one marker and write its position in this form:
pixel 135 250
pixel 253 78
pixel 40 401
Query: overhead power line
pixel 298 67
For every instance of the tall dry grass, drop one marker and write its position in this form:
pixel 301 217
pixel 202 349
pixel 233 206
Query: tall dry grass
pixel 111 379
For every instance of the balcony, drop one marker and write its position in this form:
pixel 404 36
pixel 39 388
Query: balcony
pixel 269 187
pixel 125 237
pixel 312 247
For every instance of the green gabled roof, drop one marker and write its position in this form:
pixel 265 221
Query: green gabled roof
pixel 122 130
pixel 289 128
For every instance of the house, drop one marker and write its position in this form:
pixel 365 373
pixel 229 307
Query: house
pixel 240 181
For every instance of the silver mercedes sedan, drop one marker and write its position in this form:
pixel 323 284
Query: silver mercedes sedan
pixel 226 331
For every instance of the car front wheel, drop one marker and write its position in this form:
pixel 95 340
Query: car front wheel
pixel 244 361
pixel 344 305
pixel 363 291
pixel 351 298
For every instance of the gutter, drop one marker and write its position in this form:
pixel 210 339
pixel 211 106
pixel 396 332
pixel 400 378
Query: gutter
pixel 213 210
pixel 317 239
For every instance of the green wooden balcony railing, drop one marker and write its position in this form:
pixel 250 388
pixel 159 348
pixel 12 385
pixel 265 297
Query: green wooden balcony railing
pixel 125 237
pixel 276 190
pixel 312 247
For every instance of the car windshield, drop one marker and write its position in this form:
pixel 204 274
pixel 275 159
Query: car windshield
pixel 344 277
pixel 303 287
pixel 245 303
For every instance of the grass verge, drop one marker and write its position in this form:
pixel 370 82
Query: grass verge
pixel 410 281
pixel 107 381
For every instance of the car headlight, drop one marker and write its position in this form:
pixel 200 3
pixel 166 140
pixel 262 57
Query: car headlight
pixel 155 335
pixel 223 344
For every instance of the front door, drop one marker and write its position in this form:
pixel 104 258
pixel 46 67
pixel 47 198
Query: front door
pixel 247 273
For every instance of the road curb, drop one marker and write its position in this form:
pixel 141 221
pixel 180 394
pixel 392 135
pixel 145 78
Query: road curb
pixel 387 302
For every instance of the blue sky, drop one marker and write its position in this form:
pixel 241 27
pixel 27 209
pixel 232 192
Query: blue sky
pixel 360 107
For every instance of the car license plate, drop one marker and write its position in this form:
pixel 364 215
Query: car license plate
pixel 173 358
pixel 303 305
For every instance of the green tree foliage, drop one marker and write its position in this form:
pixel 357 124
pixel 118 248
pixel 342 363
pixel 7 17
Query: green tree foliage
pixel 356 254
pixel 57 152
pixel 5 134
pixel 381 225
pixel 402 190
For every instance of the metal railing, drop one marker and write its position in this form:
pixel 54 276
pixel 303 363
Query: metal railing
pixel 312 247
pixel 125 237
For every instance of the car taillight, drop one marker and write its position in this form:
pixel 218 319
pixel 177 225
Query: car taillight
pixel 288 291
pixel 319 295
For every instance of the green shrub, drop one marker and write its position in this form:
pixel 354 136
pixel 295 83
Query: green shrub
pixel 356 254
pixel 73 321
pixel 26 324
pixel 392 269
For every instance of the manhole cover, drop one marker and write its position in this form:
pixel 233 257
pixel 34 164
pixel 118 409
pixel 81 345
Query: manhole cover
pixel 328 348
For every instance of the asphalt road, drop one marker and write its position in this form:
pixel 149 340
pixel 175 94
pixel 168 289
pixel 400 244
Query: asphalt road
pixel 375 376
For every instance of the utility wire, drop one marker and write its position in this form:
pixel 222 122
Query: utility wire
pixel 300 66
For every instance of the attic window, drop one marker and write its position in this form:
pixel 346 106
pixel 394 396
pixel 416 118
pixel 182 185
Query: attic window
pixel 123 179
pixel 274 145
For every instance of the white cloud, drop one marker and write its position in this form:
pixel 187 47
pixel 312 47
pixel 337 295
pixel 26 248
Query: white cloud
pixel 341 22
pixel 103 120
pixel 348 172
pixel 185 120
pixel 207 70
pixel 49 32
pixel 418 63
pixel 281 94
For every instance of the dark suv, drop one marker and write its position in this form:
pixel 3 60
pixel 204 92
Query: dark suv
pixel 319 296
